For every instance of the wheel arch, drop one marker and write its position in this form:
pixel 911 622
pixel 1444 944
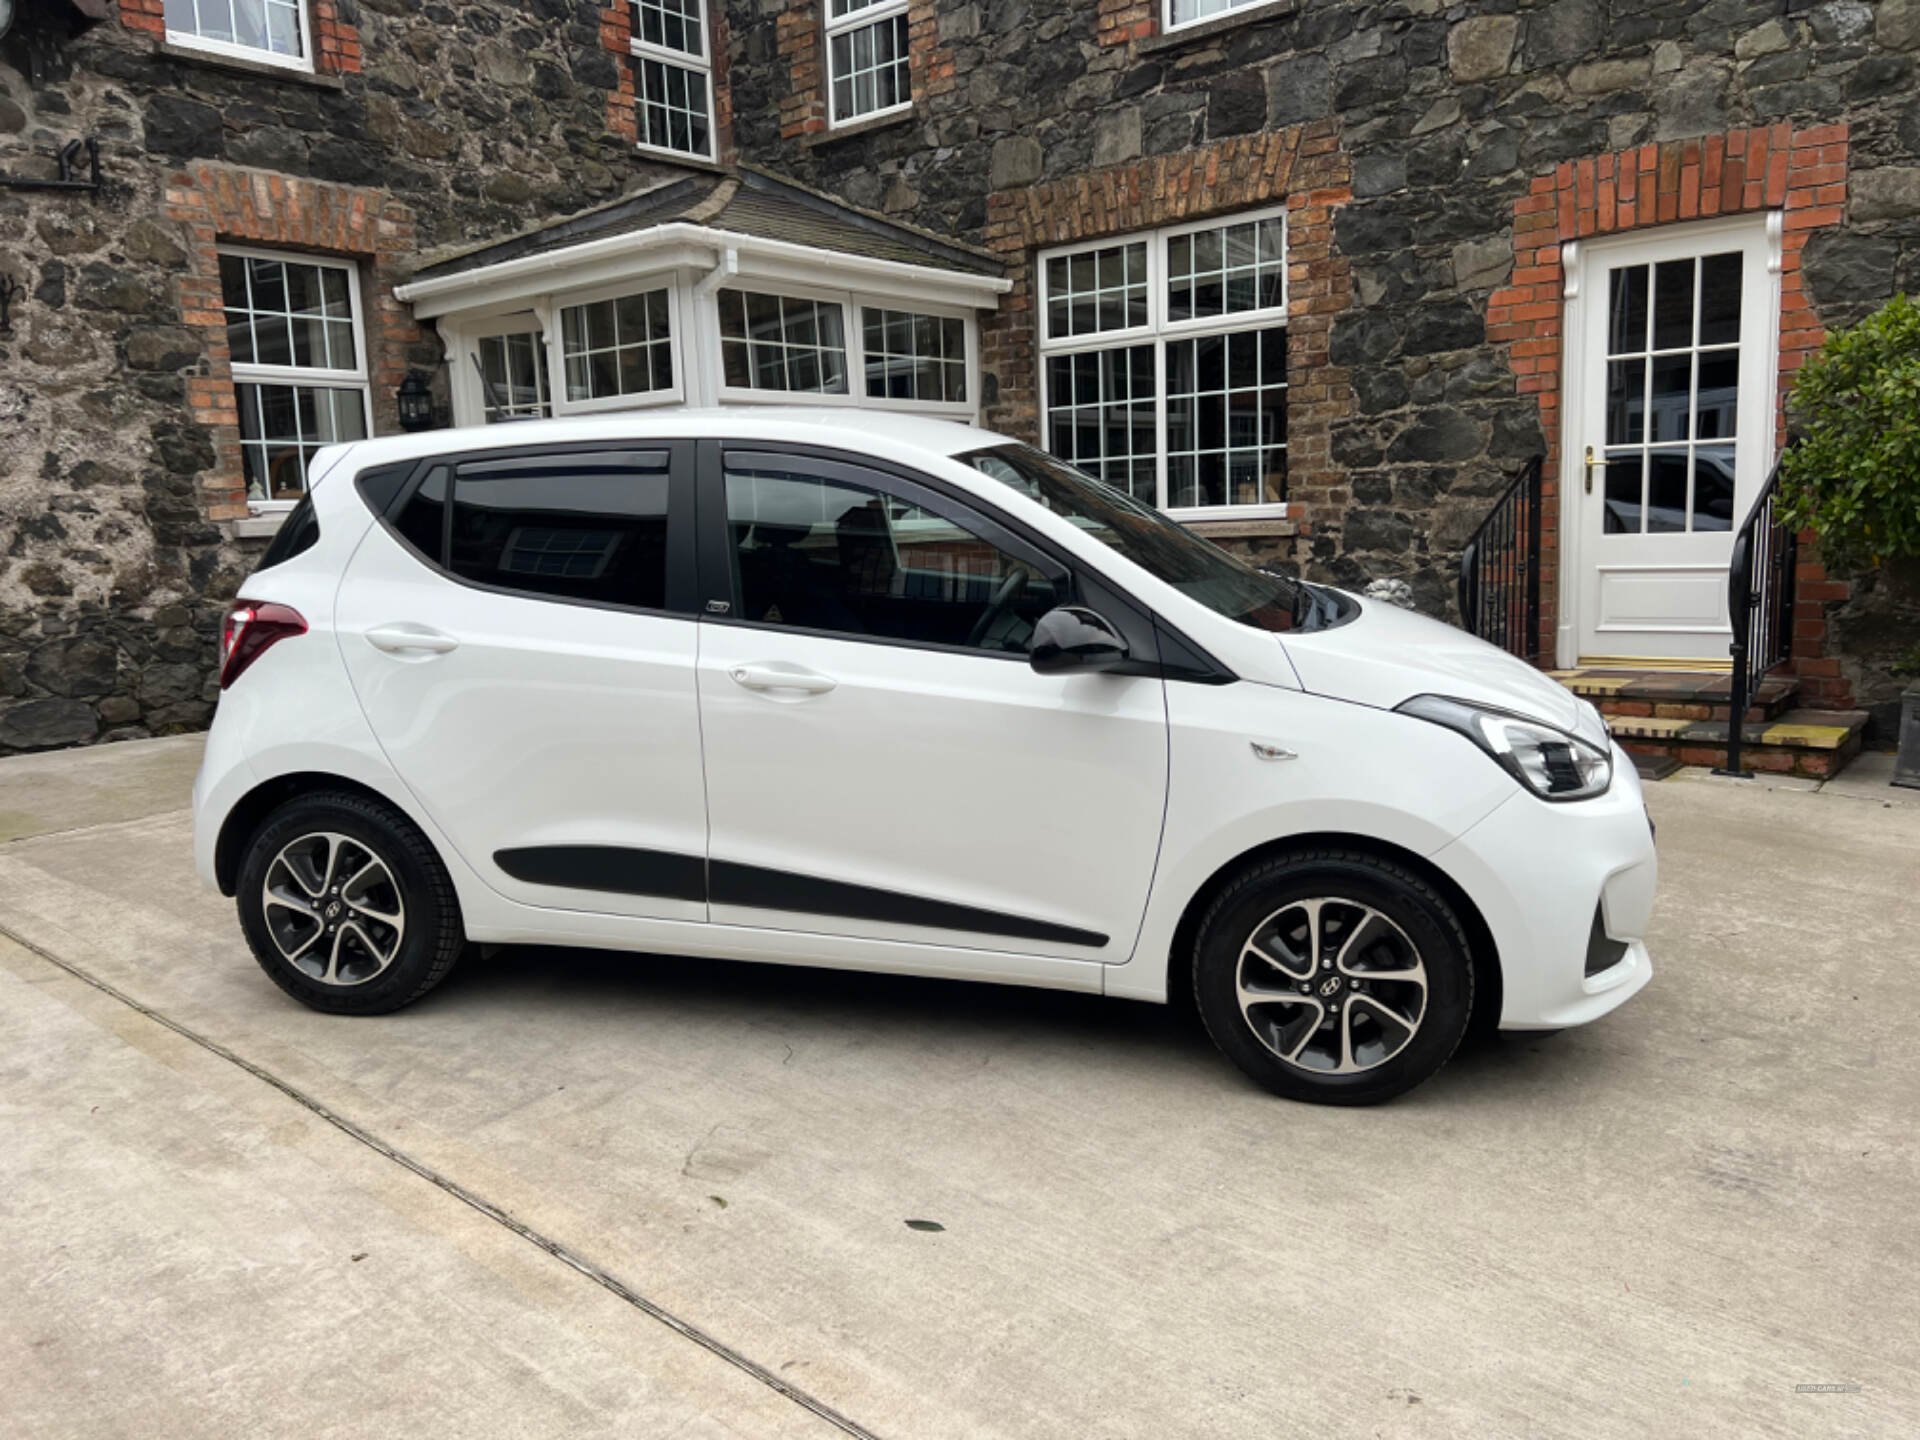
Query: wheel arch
pixel 1482 952
pixel 253 808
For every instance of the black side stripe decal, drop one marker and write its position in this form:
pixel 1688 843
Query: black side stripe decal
pixel 613 868
pixel 624 871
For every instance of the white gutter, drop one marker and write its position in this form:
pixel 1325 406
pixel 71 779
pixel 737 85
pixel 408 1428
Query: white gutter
pixel 728 267
pixel 678 232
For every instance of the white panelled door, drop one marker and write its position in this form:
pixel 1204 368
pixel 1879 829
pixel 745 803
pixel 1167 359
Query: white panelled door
pixel 1672 357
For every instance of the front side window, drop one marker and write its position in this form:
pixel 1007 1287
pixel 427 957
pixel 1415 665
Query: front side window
pixel 868 69
pixel 299 365
pixel 853 559
pixel 1188 12
pixel 513 371
pixel 574 526
pixel 1164 363
pixel 622 346
pixel 1168 551
pixel 673 68
pixel 782 342
pixel 271 30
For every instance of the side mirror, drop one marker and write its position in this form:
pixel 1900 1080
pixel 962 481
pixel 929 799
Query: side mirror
pixel 1073 640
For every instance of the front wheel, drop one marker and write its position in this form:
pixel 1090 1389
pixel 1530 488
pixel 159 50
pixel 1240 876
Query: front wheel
pixel 1333 976
pixel 346 906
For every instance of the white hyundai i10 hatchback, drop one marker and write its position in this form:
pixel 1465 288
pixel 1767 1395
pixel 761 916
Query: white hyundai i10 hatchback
pixel 859 690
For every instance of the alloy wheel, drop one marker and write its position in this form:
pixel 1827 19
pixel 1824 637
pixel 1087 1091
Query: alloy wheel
pixel 333 908
pixel 1331 986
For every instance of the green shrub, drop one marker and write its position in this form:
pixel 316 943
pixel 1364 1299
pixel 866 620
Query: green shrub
pixel 1853 472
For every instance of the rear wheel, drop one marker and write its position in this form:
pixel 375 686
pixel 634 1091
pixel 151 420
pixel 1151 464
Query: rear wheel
pixel 346 906
pixel 1333 976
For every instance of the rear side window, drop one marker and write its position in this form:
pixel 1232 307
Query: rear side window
pixel 422 521
pixel 299 531
pixel 572 526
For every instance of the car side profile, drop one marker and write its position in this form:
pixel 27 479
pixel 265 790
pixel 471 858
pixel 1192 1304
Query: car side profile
pixel 881 693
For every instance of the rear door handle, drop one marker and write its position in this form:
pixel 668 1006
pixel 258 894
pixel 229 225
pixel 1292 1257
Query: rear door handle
pixel 769 676
pixel 398 639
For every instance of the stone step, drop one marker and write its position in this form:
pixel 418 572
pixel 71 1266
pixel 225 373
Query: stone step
pixel 1677 694
pixel 1814 743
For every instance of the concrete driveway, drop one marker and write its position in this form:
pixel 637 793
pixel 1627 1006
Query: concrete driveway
pixel 575 1194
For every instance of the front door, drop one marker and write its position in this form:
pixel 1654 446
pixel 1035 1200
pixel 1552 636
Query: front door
pixel 1672 342
pixel 881 760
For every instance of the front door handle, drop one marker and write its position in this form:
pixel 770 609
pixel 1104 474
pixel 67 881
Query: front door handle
pixel 780 677
pixel 398 639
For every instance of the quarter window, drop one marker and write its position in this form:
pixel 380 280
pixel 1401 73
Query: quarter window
pixel 571 526
pixel 781 342
pixel 271 30
pixel 834 555
pixel 914 357
pixel 868 69
pixel 1164 363
pixel 618 347
pixel 299 365
pixel 674 70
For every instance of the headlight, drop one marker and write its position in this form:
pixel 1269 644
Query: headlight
pixel 1548 761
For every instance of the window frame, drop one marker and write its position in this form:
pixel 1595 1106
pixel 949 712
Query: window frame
pixel 851 303
pixel 720 595
pixel 229 50
pixel 253 373
pixel 1159 331
pixel 642 49
pixel 831 26
pixel 550 309
pixel 466 342
pixel 1170 26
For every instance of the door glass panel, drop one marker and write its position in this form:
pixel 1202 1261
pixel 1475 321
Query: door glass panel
pixel 1672 304
pixel 567 526
pixel 422 520
pixel 1627 311
pixel 1672 397
pixel 1621 514
pixel 1713 488
pixel 1672 382
pixel 1666 491
pixel 855 560
pixel 1720 299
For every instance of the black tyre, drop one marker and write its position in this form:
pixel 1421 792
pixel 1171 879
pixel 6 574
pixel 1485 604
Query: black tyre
pixel 347 907
pixel 1333 976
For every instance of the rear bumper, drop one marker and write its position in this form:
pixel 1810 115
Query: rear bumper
pixel 1538 871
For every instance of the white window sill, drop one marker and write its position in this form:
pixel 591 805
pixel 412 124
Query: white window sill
pixel 246 53
pixel 260 524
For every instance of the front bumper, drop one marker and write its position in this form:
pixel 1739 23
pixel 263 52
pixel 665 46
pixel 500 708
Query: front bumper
pixel 1538 871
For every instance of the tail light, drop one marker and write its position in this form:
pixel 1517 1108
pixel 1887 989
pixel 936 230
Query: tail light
pixel 251 627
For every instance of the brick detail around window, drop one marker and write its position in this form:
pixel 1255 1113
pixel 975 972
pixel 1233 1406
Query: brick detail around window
pixel 1120 21
pixel 800 41
pixel 616 37
pixel 1302 167
pixel 222 206
pixel 336 44
pixel 1802 174
pixel 930 62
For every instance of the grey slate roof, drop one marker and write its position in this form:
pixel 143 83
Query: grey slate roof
pixel 748 203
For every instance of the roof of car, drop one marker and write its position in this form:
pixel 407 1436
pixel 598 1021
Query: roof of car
pixel 817 425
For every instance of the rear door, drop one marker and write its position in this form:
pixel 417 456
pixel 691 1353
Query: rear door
pixel 519 632
pixel 881 760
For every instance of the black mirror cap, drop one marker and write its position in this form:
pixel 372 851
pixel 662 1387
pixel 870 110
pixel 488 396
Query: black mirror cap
pixel 1073 640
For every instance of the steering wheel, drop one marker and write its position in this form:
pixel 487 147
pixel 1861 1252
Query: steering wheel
pixel 1010 590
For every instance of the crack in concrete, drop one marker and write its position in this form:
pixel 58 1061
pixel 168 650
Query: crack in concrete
pixel 557 1249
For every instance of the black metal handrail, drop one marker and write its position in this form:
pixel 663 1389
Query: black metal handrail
pixel 1760 585
pixel 1499 588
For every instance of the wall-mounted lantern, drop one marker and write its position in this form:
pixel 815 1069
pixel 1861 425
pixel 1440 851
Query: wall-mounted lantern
pixel 415 400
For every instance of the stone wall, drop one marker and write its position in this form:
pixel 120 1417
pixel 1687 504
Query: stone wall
pixel 1447 117
pixel 119 471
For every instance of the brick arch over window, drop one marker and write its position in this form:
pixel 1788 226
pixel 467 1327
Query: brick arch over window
pixel 220 206
pixel 1302 167
pixel 1802 173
